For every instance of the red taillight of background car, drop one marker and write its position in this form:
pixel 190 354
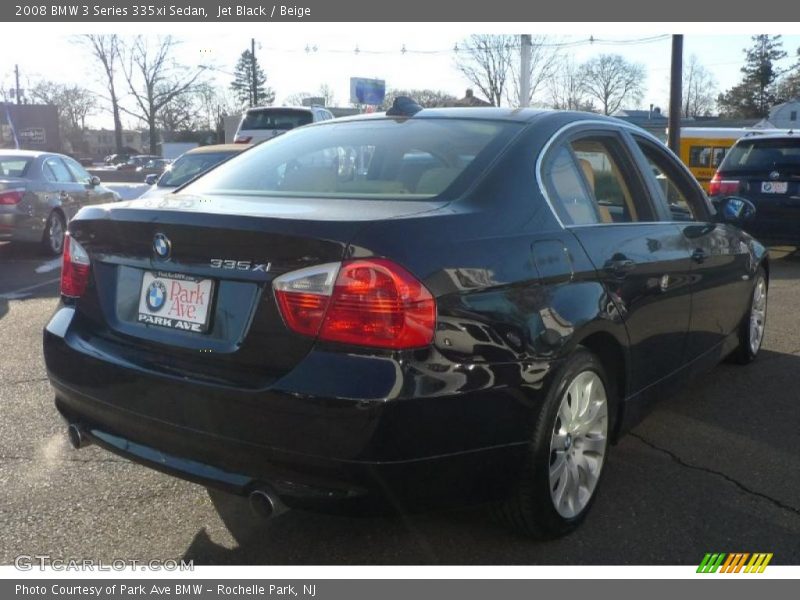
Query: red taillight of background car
pixel 366 302
pixel 723 187
pixel 75 268
pixel 11 197
pixel 242 139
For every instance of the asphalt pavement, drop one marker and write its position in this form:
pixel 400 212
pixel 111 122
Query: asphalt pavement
pixel 715 469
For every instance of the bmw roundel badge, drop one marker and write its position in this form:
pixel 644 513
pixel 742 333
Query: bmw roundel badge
pixel 162 246
pixel 156 296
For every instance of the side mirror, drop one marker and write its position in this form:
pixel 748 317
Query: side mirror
pixel 94 181
pixel 735 210
pixel 151 179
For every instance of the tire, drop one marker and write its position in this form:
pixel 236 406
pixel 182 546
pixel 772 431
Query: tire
pixel 753 325
pixel 53 236
pixel 543 510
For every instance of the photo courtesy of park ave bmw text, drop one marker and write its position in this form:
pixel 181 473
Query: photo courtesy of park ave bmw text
pixel 351 299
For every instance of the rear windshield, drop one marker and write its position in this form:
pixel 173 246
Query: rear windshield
pixel 759 155
pixel 190 166
pixel 276 118
pixel 14 166
pixel 377 158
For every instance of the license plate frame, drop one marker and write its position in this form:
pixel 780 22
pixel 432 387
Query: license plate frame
pixel 163 305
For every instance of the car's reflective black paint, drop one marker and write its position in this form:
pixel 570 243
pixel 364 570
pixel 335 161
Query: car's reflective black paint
pixel 517 292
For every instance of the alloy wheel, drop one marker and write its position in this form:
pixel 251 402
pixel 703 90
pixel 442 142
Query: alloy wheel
pixel 758 314
pixel 578 444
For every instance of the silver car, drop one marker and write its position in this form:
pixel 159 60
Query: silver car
pixel 40 192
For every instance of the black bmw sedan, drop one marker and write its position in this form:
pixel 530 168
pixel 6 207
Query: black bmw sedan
pixel 424 305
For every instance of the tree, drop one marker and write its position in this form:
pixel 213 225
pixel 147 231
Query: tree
pixel 545 59
pixel 425 98
pixel 485 60
pixel 755 94
pixel 155 80
pixel 566 90
pixel 699 89
pixel 242 84
pixel 788 87
pixel 612 81
pixel 105 48
pixel 326 93
pixel 73 104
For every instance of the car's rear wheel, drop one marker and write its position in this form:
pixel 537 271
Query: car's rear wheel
pixel 567 452
pixel 753 326
pixel 53 236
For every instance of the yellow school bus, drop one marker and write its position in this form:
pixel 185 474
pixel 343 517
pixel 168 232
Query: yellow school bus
pixel 703 148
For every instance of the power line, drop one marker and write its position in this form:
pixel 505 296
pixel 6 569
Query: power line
pixel 315 49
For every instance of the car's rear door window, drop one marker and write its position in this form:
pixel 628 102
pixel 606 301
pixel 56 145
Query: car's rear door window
pixel 55 170
pixel 592 181
pixel 370 159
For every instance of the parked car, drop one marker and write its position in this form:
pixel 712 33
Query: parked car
pixel 765 169
pixel 40 192
pixel 266 122
pixel 433 304
pixel 154 166
pixel 189 165
pixel 117 159
pixel 134 162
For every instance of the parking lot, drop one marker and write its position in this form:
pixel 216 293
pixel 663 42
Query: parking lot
pixel 714 469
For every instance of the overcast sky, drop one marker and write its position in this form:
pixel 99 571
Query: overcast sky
pixel 429 60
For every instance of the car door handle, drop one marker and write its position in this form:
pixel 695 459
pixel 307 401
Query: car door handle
pixel 699 255
pixel 619 267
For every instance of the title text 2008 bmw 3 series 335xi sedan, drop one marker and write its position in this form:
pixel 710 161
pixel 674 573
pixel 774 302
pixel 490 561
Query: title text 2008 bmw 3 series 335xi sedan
pixel 420 306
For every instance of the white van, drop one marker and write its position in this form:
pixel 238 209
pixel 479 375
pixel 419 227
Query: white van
pixel 266 122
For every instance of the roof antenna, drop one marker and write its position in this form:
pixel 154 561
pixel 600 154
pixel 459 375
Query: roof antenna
pixel 403 106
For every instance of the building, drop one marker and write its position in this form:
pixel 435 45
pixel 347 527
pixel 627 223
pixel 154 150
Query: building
pixel 35 125
pixel 470 99
pixel 100 142
pixel 784 116
pixel 656 123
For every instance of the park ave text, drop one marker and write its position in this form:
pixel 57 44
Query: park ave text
pixel 183 10
pixel 177 589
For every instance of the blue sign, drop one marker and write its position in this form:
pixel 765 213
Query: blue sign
pixel 367 91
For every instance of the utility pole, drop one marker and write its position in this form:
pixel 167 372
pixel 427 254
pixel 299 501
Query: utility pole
pixel 253 79
pixel 524 70
pixel 675 94
pixel 16 88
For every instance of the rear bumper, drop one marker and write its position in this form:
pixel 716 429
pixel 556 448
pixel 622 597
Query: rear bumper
pixel 16 226
pixel 313 450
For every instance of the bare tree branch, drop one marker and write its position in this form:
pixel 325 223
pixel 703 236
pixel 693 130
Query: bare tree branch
pixel 485 60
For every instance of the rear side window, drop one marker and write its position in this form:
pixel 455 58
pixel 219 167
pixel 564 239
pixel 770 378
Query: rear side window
pixel 375 158
pixel 591 182
pixel 55 170
pixel 276 118
pixel 760 154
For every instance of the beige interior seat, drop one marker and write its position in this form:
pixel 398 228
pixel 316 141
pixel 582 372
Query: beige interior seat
pixel 588 173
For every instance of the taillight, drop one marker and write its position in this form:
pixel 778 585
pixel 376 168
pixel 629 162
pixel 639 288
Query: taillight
pixel 75 268
pixel 11 197
pixel 723 187
pixel 373 302
pixel 303 296
pixel 242 139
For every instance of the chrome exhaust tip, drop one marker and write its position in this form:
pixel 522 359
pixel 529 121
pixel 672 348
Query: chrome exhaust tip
pixel 265 504
pixel 77 439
